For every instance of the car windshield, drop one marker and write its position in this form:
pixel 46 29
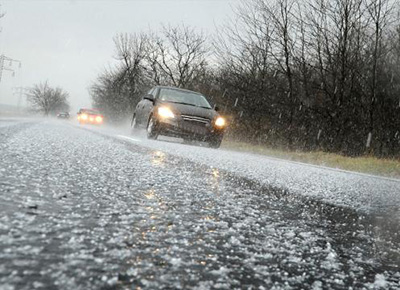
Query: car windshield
pixel 184 97
pixel 90 112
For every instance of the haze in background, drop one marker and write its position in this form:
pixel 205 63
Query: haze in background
pixel 68 43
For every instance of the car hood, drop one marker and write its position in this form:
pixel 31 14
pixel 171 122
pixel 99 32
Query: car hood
pixel 182 109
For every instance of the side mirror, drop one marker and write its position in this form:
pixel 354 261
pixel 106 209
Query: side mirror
pixel 216 108
pixel 149 97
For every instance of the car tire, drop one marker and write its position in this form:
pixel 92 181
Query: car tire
pixel 215 142
pixel 134 125
pixel 152 129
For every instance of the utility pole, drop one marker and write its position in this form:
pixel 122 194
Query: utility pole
pixel 19 91
pixel 4 58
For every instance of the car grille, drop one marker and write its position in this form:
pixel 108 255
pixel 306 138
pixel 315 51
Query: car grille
pixel 195 119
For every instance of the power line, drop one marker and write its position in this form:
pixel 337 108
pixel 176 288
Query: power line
pixel 19 91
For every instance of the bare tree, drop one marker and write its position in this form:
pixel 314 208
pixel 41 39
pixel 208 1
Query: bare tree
pixel 281 16
pixel 336 42
pixel 2 14
pixel 246 70
pixel 178 56
pixel 112 95
pixel 380 12
pixel 132 51
pixel 117 90
pixel 46 99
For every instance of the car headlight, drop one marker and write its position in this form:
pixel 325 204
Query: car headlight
pixel 99 119
pixel 220 122
pixel 84 117
pixel 165 112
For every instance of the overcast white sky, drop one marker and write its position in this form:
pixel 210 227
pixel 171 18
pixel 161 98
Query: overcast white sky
pixel 69 42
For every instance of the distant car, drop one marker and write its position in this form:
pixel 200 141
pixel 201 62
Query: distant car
pixel 90 116
pixel 63 115
pixel 180 113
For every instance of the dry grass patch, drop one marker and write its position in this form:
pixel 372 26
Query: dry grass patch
pixel 365 164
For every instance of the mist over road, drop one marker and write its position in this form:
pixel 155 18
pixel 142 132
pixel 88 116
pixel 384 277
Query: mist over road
pixel 97 208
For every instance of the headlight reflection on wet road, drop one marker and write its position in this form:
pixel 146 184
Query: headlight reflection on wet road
pixel 158 158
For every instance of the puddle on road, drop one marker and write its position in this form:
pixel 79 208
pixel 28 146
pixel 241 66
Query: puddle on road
pixel 158 158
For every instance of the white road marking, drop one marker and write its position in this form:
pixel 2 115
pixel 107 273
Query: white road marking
pixel 129 138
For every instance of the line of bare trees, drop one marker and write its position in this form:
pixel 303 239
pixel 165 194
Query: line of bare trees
pixel 320 75
pixel 177 57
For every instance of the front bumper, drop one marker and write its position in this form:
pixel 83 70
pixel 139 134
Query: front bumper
pixel 189 129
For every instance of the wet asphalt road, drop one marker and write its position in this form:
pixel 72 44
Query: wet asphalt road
pixel 84 210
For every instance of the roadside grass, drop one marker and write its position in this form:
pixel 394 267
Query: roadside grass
pixel 364 164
